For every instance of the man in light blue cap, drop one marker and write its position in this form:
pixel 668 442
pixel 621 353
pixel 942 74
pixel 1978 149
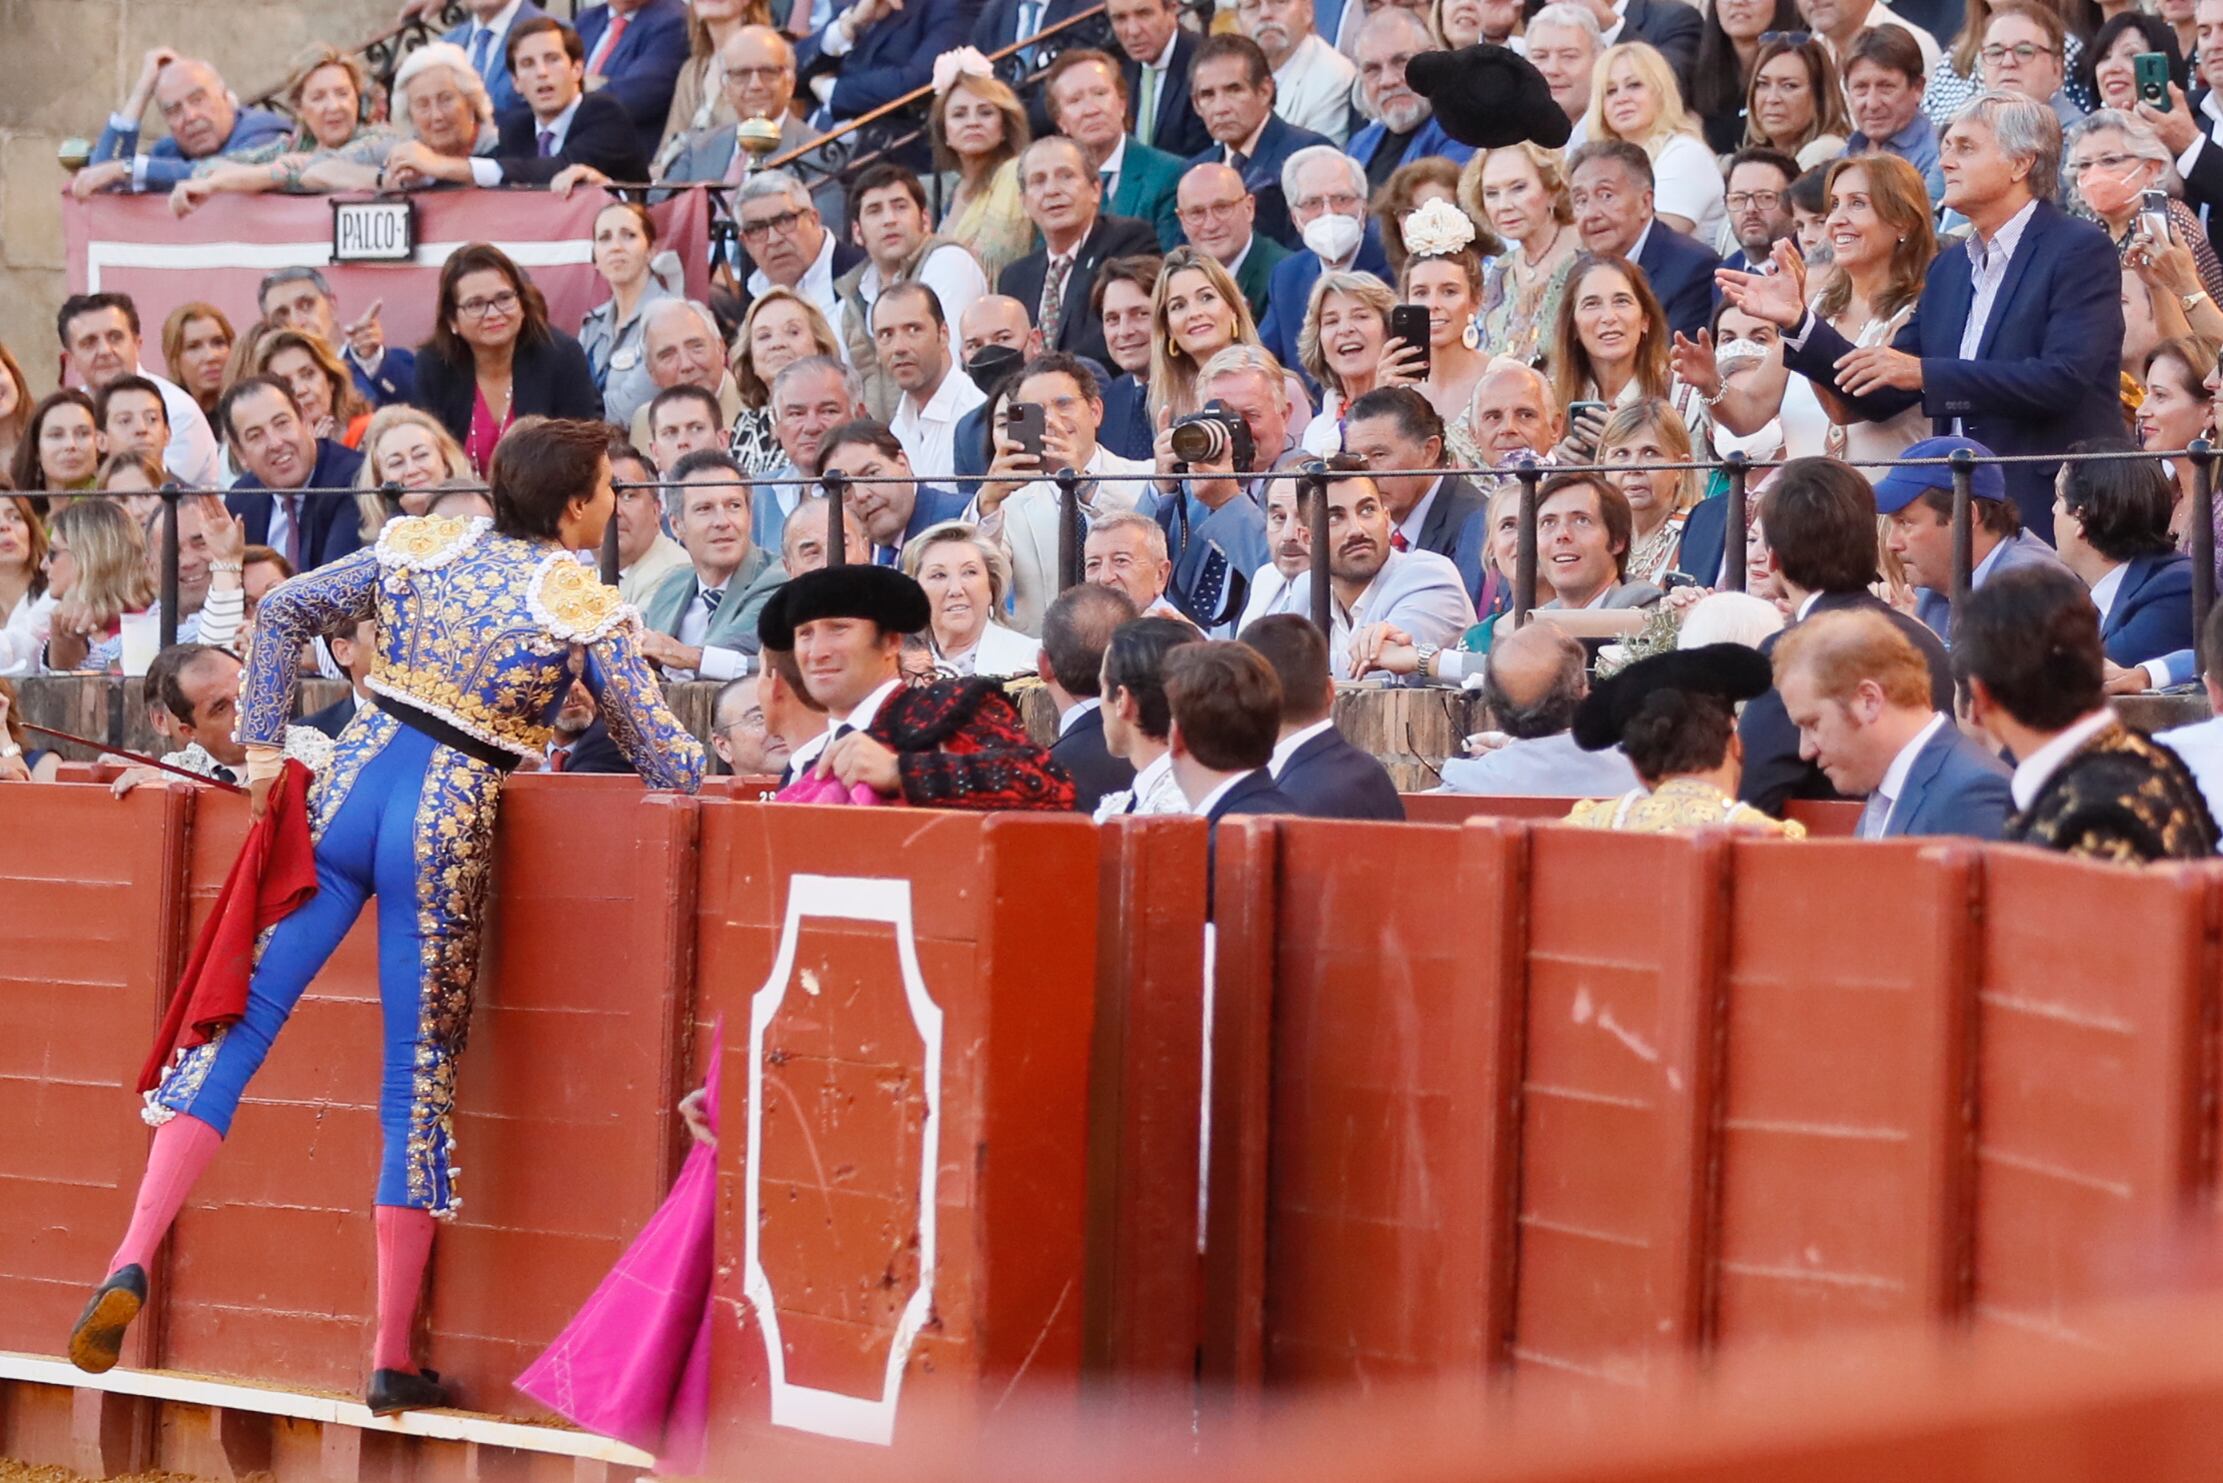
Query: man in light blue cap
pixel 1917 506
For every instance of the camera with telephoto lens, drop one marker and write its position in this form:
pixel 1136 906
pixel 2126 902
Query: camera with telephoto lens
pixel 1213 435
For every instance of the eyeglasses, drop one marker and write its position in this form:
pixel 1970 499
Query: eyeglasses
pixel 2022 51
pixel 1342 203
pixel 1213 210
pixel 2102 162
pixel 1787 38
pixel 501 303
pixel 784 224
pixel 1753 200
pixel 756 74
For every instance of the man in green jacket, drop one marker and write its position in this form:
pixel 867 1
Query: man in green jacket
pixel 702 620
pixel 1088 102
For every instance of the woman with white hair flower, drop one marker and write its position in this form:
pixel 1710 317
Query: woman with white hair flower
pixel 978 129
pixel 449 114
pixel 1443 274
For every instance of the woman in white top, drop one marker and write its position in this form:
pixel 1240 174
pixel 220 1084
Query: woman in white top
pixel 1881 244
pixel 965 578
pixel 1634 97
pixel 24 603
pixel 1343 347
pixel 1796 105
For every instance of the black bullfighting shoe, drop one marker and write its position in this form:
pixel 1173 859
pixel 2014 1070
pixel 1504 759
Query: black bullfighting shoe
pixel 97 1341
pixel 395 1391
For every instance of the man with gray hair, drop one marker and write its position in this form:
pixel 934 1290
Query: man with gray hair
pixel 1327 192
pixel 2016 338
pixel 1536 679
pixel 785 237
pixel 759 70
pixel 1564 42
pixel 682 346
pixel 1064 197
pixel 810 398
pixel 1405 126
pixel 203 119
pixel 299 298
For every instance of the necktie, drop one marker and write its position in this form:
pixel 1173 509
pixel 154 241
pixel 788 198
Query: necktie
pixel 1875 815
pixel 1030 21
pixel 711 597
pixel 547 143
pixel 482 44
pixel 559 759
pixel 1146 110
pixel 609 46
pixel 1238 162
pixel 223 774
pixel 293 529
pixel 1397 541
pixel 1053 298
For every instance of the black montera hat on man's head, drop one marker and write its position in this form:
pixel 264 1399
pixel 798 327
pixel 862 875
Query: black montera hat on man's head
pixel 1730 671
pixel 879 593
pixel 1489 96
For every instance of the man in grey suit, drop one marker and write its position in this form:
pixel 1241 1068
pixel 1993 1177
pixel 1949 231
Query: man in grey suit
pixel 759 83
pixel 1858 691
pixel 701 621
pixel 1917 506
pixel 1536 679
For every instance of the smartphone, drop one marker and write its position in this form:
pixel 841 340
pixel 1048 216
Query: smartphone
pixel 1022 423
pixel 2151 70
pixel 1575 411
pixel 2153 215
pixel 1409 322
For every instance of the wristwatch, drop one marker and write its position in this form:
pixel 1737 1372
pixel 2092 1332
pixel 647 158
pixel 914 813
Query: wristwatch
pixel 1424 660
pixel 2192 299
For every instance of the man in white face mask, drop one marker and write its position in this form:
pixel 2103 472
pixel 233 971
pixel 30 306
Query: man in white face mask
pixel 1326 192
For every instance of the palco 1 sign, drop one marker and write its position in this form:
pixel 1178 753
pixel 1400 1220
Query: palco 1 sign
pixel 379 231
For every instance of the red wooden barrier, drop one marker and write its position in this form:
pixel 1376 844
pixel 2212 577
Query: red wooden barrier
pixel 908 1002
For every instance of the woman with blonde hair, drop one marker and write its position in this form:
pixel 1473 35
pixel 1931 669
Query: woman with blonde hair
pixel 1196 313
pixel 1881 244
pixel 330 92
pixel 1521 191
pixel 330 405
pixel 978 129
pixel 965 577
pixel 405 449
pixel 1342 348
pixel 196 340
pixel 699 99
pixel 781 327
pixel 96 568
pixel 1795 104
pixel 1644 433
pixel 1634 97
pixel 1443 274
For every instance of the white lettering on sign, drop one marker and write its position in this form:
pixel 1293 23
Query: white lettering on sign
pixel 373 232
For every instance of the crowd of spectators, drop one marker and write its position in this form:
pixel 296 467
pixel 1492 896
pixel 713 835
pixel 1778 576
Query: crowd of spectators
pixel 1184 259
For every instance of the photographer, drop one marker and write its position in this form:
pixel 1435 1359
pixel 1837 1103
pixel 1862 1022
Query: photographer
pixel 1018 505
pixel 1213 511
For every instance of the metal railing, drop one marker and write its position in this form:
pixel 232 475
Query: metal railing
pixel 382 54
pixel 1315 476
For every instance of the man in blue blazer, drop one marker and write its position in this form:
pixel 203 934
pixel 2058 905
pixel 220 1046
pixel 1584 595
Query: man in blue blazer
pixel 890 514
pixel 1859 693
pixel 1610 182
pixel 1320 182
pixel 1157 52
pixel 1233 89
pixel 1003 23
pixel 1405 127
pixel 561 123
pixel 2023 354
pixel 2114 534
pixel 1225 707
pixel 638 66
pixel 485 40
pixel 874 53
pixel 1314 766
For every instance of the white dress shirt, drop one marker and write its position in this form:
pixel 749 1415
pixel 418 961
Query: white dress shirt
pixel 1154 792
pixel 694 624
pixel 1079 708
pixel 1312 90
pixel 1150 86
pixel 1876 819
pixel 1203 807
pixel 2032 773
pixel 1417 516
pixel 1270 593
pixel 928 432
pixel 487 173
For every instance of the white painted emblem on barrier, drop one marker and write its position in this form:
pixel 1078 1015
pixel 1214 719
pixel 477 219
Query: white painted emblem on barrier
pixel 830 1413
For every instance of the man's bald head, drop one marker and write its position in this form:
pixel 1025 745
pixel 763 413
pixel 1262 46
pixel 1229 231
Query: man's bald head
pixel 196 107
pixel 1535 680
pixel 1513 411
pixel 995 319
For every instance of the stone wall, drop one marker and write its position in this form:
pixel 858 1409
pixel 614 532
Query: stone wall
pixel 64 64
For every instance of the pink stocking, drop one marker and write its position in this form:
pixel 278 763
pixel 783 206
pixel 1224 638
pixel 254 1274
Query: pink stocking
pixel 182 1148
pixel 404 1246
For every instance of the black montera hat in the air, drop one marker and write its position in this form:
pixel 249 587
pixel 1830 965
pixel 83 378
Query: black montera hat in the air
pixel 1489 96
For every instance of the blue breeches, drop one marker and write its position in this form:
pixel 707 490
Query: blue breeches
pixel 409 821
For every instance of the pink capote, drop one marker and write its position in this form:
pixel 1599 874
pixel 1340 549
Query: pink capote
pixel 811 788
pixel 635 1363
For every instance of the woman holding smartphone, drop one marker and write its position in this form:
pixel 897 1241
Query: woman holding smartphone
pixel 1610 350
pixel 2120 168
pixel 1443 278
